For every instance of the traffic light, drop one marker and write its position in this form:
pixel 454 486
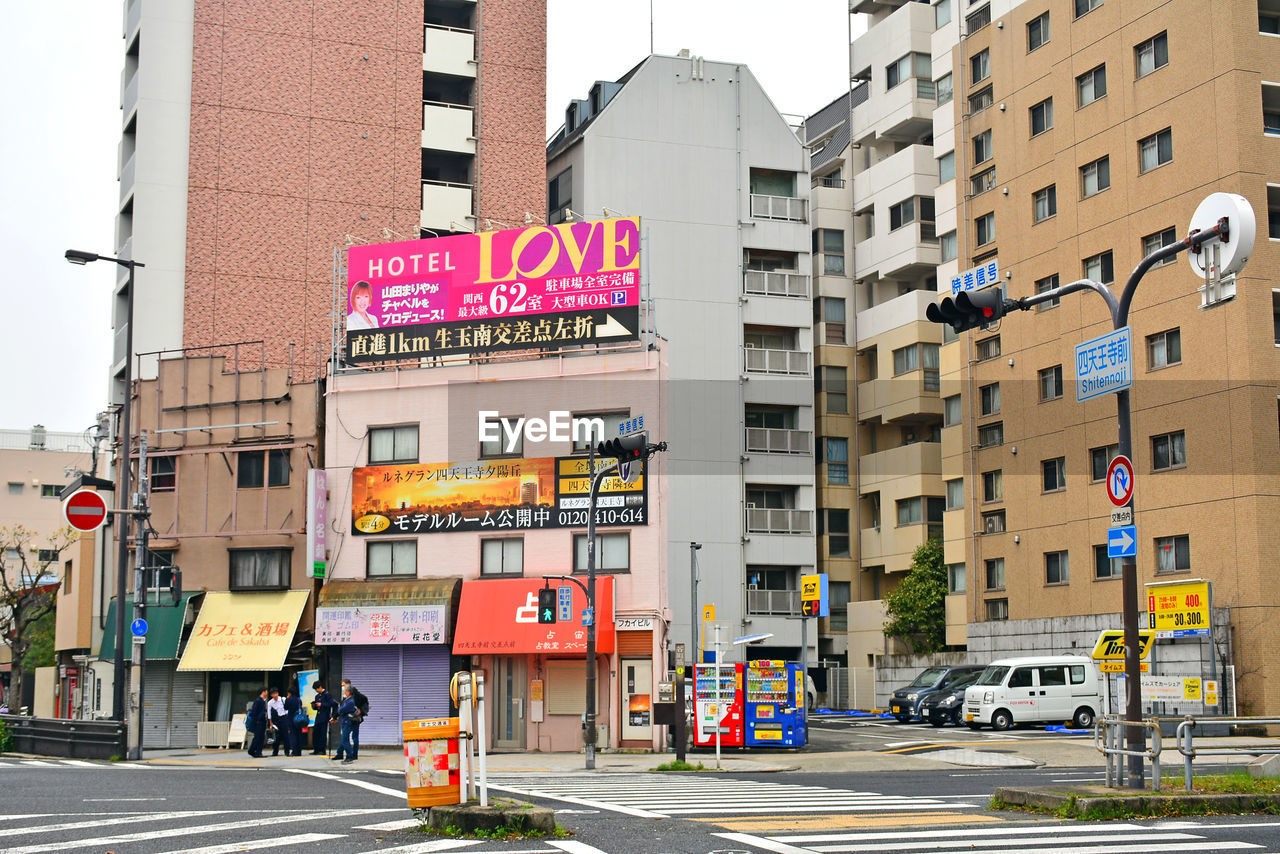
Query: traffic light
pixel 625 448
pixel 546 605
pixel 971 309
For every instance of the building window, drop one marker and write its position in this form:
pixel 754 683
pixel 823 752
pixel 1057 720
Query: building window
pixel 1095 177
pixel 1173 554
pixel 395 558
pixel 583 440
pixel 980 66
pixel 613 552
pixel 1091 85
pixel 995 573
pixel 559 197
pixel 945 89
pixel 1054 474
pixel 67 569
pixel 250 468
pixel 914 357
pixel 1099 460
pixel 837 461
pixel 947 167
pixel 834 523
pixel 910 510
pixel 982 147
pixel 911 65
pixel 1056 569
pixel 44 557
pixel 1155 150
pixel 993 485
pixel 948 246
pixel 951 411
pixel 1169 451
pixel 955 578
pixel 832 246
pixel 1085 6
pixel 941 14
pixel 1159 240
pixel 979 101
pixel 997 609
pixel 15 488
pixel 1106 567
pixel 989 399
pixel 983 181
pixel 1164 349
pixel 501 446
pixel 985 228
pixel 1044 203
pixel 1051 383
pixel 988 348
pixel 993 523
pixel 502 556
pixel 1100 268
pixel 955 494
pixel 278 467
pixel 1152 54
pixel 1048 283
pixel 389 445
pixel 1037 32
pixel 834 382
pixel 260 569
pixel 1042 117
pixel 977 20
pixel 990 435
pixel 1269 22
pixel 901 214
pixel 50 490
pixel 163 476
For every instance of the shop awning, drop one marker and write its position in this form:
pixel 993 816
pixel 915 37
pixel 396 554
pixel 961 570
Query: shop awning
pixel 244 631
pixel 164 629
pixel 387 612
pixel 499 616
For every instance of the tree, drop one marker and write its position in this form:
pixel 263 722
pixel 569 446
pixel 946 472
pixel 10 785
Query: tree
pixel 29 583
pixel 917 607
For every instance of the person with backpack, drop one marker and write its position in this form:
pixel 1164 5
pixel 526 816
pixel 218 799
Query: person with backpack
pixel 362 709
pixel 298 720
pixel 348 715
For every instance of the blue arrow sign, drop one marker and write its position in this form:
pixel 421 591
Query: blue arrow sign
pixel 587 617
pixel 138 627
pixel 1122 541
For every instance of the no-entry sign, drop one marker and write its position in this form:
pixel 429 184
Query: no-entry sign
pixel 85 510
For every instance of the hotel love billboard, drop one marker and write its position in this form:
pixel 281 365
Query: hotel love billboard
pixel 521 289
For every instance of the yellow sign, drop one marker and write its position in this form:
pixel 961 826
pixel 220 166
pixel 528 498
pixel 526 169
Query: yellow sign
pixel 810 588
pixel 708 613
pixel 1191 689
pixel 1118 666
pixel 1178 610
pixel 535 691
pixel 243 631
pixel 1110 646
pixel 1210 692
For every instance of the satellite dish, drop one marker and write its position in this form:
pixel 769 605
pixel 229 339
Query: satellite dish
pixel 1243 228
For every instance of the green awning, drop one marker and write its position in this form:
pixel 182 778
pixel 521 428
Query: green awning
pixel 164 629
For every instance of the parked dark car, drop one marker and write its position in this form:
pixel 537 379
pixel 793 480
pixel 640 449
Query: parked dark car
pixel 947 706
pixel 905 702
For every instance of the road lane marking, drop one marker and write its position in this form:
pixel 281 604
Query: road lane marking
pixel 427 847
pixel 967 843
pixel 102 822
pixel 761 842
pixel 398 824
pixel 350 781
pixel 582 802
pixel 256 844
pixel 571 846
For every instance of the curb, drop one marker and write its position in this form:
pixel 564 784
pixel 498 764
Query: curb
pixel 1078 804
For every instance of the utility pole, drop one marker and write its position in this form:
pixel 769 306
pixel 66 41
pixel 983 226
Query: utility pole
pixel 695 619
pixel 138 669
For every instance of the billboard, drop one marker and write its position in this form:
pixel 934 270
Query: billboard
pixel 490 495
pixel 530 288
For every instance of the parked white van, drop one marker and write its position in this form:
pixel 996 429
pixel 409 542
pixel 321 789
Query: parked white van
pixel 1054 688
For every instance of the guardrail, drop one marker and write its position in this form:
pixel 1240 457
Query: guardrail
pixel 1108 737
pixel 72 739
pixel 1185 738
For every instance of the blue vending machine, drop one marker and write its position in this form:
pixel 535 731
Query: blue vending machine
pixel 774 704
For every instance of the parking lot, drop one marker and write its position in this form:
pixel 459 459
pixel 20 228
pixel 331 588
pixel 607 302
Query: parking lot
pixel 837 731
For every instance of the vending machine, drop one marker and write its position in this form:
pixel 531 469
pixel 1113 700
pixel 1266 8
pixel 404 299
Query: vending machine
pixel 724 712
pixel 775 704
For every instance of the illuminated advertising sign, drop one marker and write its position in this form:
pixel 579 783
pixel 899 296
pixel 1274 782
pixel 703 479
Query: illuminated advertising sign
pixel 490 495
pixel 520 289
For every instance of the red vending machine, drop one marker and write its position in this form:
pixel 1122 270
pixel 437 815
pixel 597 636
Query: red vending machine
pixel 711 711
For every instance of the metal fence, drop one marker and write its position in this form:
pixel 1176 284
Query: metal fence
pixel 72 739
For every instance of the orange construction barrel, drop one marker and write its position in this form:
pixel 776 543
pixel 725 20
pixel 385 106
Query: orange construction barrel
pixel 431 762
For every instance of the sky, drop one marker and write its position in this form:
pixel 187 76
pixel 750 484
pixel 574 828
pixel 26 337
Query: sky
pixel 58 189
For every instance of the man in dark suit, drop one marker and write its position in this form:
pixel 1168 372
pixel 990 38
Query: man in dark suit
pixel 324 706
pixel 292 708
pixel 256 724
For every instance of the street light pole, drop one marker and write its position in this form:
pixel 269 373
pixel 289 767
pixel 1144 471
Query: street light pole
pixel 80 258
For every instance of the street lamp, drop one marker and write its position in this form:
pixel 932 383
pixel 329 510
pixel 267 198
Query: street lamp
pixel 76 256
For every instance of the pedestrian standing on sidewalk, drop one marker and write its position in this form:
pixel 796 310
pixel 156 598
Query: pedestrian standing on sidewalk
pixel 297 721
pixel 362 706
pixel 349 717
pixel 324 706
pixel 279 722
pixel 257 723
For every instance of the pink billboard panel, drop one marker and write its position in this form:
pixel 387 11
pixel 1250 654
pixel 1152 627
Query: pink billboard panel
pixel 522 288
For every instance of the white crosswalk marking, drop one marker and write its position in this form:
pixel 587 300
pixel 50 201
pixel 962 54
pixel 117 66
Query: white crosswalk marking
pixel 660 796
pixel 277 842
pixel 427 847
pixel 399 824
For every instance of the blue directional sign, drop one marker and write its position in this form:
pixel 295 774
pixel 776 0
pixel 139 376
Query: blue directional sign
pixel 1104 364
pixel 1122 541
pixel 587 617
pixel 564 603
pixel 138 627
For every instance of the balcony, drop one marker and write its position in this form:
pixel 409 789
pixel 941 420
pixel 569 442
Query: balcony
pixel 775 283
pixel 919 459
pixel 132 18
pixel 446 50
pixel 904 112
pixel 785 362
pixel 892 314
pixel 444 203
pixel 128 92
pixel 905 252
pixel 893 547
pixel 773 603
pixel 127 172
pixel 448 127
pixel 910 172
pixel 779 521
pixel 763 440
pixel 904 398
pixel 785 208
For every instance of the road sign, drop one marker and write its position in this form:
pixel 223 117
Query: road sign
pixel 1110 645
pixel 1104 364
pixel 1179 610
pixel 1210 692
pixel 708 613
pixel 1121 516
pixel 1120 481
pixel 587 617
pixel 1122 541
pixel 629 470
pixel 138 627
pixel 1118 667
pixel 975 278
pixel 85 510
pixel 813 596
pixel 564 603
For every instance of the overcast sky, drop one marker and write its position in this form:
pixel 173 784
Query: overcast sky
pixel 59 187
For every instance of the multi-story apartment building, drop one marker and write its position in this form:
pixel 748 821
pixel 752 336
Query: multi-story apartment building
pixel 1069 142
pixel 696 149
